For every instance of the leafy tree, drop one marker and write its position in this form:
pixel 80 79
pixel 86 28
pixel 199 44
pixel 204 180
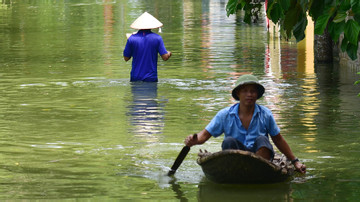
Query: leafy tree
pixel 337 16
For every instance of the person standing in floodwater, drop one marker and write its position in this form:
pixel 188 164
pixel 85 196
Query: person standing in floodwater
pixel 144 47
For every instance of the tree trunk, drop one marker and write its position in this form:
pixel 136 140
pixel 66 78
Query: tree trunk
pixel 323 48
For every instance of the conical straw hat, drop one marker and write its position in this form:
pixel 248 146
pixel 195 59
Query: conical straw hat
pixel 146 21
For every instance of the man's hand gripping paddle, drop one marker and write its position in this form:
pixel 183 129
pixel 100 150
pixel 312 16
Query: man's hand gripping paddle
pixel 185 150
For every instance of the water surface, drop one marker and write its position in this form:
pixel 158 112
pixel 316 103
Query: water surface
pixel 73 126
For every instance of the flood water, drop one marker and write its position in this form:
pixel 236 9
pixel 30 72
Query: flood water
pixel 72 126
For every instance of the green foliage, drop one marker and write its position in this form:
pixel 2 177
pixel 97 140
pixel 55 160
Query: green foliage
pixel 337 16
pixel 321 24
pixel 251 9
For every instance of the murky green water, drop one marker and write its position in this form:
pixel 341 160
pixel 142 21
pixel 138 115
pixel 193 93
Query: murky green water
pixel 72 126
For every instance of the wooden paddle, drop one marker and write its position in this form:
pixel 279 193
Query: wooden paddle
pixel 185 150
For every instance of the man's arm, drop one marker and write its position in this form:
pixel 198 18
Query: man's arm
pixel 166 56
pixel 284 148
pixel 201 138
pixel 126 58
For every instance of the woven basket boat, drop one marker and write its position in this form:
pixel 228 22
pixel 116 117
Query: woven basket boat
pixel 237 166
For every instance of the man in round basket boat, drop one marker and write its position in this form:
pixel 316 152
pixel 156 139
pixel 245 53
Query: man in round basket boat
pixel 246 125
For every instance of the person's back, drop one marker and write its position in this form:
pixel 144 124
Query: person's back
pixel 144 47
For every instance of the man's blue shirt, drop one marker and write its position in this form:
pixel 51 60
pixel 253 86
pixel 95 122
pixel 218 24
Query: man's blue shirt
pixel 227 121
pixel 144 47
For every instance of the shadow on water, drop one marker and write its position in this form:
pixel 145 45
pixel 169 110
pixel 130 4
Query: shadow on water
pixel 176 187
pixel 209 191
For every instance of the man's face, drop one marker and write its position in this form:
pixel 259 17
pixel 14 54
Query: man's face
pixel 248 94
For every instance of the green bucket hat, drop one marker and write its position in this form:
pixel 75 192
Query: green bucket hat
pixel 247 79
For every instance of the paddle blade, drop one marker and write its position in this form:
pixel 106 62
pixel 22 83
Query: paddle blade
pixel 185 150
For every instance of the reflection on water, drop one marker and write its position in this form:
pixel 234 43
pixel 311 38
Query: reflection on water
pixel 145 112
pixel 209 191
